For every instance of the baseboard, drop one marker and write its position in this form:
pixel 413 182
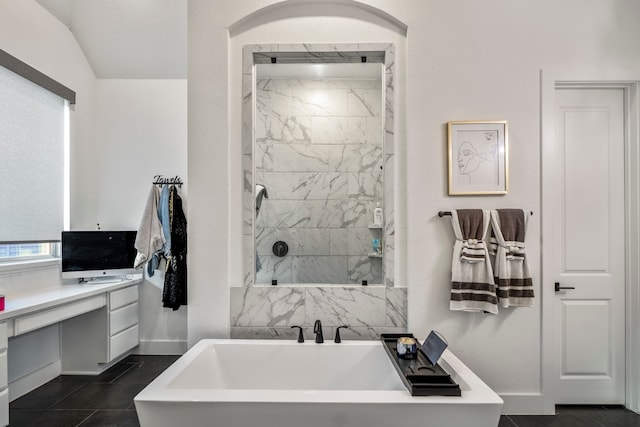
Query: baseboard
pixel 35 379
pixel 522 404
pixel 161 347
pixel 97 368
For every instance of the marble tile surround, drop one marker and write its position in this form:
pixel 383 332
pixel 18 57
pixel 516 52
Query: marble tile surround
pixel 296 128
pixel 268 312
pixel 318 151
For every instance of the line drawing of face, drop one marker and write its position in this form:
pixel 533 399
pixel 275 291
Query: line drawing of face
pixel 468 158
pixel 472 155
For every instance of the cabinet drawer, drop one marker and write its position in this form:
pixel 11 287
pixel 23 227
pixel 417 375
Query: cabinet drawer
pixel 4 407
pixel 123 318
pixel 3 370
pixel 125 340
pixel 43 318
pixel 3 335
pixel 122 297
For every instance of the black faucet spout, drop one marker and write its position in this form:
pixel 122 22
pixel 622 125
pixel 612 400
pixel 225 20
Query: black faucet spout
pixel 337 338
pixel 317 329
pixel 300 334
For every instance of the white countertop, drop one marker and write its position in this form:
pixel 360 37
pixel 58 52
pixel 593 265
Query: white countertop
pixel 18 304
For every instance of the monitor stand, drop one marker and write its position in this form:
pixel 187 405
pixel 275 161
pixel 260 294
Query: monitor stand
pixel 101 280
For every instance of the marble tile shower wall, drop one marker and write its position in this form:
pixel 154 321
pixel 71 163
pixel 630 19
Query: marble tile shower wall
pixel 318 151
pixel 269 312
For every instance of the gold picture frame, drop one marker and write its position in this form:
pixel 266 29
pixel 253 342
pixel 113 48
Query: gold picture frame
pixel 478 154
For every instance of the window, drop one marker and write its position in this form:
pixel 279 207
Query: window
pixel 15 251
pixel 33 141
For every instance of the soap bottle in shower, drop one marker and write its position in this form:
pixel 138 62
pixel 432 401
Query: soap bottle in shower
pixel 376 246
pixel 377 215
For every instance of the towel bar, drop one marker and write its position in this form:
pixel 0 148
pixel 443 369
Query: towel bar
pixel 448 213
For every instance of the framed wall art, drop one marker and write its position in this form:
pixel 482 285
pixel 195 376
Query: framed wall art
pixel 478 157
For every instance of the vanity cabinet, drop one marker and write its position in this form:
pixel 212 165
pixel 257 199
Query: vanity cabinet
pixel 4 389
pixel 123 321
pixel 98 325
pixel 91 341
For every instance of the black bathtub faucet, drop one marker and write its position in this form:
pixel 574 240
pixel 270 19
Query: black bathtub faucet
pixel 300 334
pixel 317 329
pixel 337 338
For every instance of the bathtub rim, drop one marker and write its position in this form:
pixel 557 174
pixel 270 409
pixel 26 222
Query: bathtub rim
pixel 474 390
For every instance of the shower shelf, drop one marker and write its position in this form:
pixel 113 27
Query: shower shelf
pixel 374 255
pixel 375 227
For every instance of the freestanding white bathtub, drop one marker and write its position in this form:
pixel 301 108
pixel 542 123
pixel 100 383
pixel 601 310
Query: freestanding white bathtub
pixel 268 383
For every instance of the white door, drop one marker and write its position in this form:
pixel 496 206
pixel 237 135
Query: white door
pixel 589 248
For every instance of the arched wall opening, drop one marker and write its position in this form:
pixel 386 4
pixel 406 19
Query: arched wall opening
pixel 287 25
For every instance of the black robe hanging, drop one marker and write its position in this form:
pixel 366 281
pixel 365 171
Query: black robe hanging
pixel 174 293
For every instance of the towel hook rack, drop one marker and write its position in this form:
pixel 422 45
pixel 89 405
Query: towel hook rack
pixel 161 180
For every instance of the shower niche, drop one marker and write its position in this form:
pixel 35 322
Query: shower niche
pixel 318 156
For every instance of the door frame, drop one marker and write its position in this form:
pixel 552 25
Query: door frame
pixel 629 81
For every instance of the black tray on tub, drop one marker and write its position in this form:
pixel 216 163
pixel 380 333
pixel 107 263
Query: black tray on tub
pixel 419 376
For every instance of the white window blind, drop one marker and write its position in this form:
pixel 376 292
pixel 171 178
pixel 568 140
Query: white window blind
pixel 31 161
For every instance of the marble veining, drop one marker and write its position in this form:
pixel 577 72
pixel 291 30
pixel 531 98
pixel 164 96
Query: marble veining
pixel 266 306
pixel 366 185
pixel 335 159
pixel 364 268
pixel 317 153
pixel 319 186
pixel 367 311
pixel 320 269
pixel 396 307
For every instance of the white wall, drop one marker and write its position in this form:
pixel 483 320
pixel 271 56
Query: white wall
pixel 31 34
pixel 465 60
pixel 123 132
pixel 140 132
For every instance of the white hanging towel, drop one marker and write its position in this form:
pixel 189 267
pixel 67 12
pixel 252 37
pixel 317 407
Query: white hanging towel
pixel 150 237
pixel 512 276
pixel 472 282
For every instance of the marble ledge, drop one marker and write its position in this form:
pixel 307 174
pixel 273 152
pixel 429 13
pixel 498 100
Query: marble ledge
pixel 322 285
pixel 285 333
pixel 316 285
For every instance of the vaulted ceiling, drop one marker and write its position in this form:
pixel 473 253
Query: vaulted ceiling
pixel 128 39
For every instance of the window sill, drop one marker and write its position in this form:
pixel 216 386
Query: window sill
pixel 28 265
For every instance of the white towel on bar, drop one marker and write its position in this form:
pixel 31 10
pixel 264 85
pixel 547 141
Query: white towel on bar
pixel 472 282
pixel 512 275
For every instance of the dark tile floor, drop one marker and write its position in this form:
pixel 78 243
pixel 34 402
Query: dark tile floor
pixel 77 400
pixel 576 416
pixel 107 400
